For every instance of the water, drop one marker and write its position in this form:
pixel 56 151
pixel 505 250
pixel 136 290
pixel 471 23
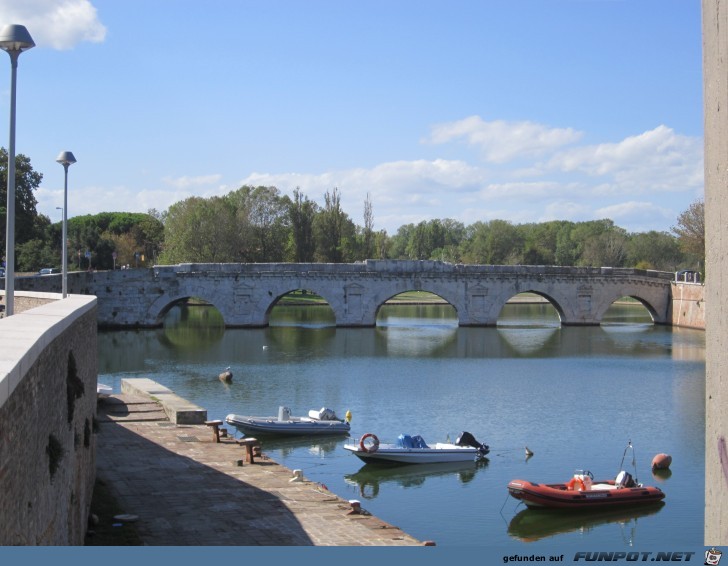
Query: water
pixel 575 396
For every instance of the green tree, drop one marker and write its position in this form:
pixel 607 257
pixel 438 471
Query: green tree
pixel 368 232
pixel 301 214
pixel 27 180
pixel 200 230
pixel 335 232
pixel 690 231
pixel 497 242
pixel 100 233
pixel 654 250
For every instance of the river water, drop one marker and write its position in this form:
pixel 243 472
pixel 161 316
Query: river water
pixel 575 396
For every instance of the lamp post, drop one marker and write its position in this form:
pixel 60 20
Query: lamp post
pixel 14 39
pixel 65 158
pixel 61 209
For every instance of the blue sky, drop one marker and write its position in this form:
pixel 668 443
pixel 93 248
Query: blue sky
pixel 473 110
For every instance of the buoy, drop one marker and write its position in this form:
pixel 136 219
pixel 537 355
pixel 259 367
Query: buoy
pixel 226 376
pixel 661 462
pixel 348 416
pixel 297 476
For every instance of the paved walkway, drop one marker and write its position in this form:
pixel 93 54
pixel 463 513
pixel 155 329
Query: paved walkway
pixel 188 490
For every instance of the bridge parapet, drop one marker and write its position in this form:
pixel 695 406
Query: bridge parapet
pixel 406 267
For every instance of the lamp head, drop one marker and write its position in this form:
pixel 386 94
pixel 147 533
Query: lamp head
pixel 66 158
pixel 15 38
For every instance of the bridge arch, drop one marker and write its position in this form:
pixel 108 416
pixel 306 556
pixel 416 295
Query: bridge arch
pixel 277 299
pixel 654 315
pixel 158 309
pixel 544 295
pixel 445 302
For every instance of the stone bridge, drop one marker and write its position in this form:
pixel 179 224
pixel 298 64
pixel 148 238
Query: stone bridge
pixel 245 294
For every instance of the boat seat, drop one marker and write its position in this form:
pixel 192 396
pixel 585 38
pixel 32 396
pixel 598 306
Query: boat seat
pixel 602 486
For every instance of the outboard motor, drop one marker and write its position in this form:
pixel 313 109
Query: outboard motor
pixel 624 479
pixel 467 439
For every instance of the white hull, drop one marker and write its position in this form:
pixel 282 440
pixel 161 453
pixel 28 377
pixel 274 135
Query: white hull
pixel 440 453
pixel 103 390
pixel 293 426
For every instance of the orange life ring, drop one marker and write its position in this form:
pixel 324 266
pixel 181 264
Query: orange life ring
pixel 373 447
pixel 573 482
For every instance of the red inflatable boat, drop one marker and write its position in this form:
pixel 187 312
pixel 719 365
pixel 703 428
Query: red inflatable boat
pixel 582 492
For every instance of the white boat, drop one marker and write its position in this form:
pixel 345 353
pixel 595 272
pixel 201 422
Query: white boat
pixel 414 450
pixel 321 422
pixel 103 390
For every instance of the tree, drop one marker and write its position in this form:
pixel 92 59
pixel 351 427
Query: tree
pixel 27 180
pixel 301 214
pixel 368 244
pixel 654 250
pixel 690 231
pixel 332 227
pixel 125 233
pixel 200 230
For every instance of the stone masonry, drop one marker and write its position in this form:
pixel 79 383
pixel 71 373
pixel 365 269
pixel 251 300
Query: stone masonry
pixel 48 371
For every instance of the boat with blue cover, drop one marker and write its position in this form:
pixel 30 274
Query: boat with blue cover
pixel 414 450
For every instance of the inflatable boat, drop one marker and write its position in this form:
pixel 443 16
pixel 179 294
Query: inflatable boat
pixel 582 492
pixel 321 422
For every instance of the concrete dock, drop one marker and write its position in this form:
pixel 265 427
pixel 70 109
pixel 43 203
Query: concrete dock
pixel 187 489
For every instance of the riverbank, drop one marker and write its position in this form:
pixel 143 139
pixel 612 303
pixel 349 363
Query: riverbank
pixel 180 487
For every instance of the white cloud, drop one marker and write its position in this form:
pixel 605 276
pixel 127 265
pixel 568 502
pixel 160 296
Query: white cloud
pixel 580 183
pixel 53 23
pixel 501 141
pixel 567 210
pixel 636 213
pixel 655 161
pixel 189 182
pixel 418 181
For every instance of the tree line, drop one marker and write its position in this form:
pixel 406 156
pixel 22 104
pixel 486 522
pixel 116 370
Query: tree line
pixel 260 224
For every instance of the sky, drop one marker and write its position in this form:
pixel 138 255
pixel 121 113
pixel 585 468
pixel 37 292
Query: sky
pixel 471 110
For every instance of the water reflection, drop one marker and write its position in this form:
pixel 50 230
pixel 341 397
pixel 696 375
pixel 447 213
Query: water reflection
pixel 196 326
pixel 371 477
pixel 315 447
pixel 311 316
pixel 529 341
pixel 532 525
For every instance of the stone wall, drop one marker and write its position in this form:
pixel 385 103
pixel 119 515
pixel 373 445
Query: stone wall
pixel 48 374
pixel 715 89
pixel 688 305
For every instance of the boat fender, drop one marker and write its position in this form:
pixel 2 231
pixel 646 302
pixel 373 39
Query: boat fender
pixel 374 446
pixel 572 483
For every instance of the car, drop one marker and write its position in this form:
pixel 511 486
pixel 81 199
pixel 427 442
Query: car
pixel 49 271
pixel 2 272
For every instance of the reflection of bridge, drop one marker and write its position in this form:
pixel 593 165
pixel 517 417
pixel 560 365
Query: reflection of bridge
pixel 245 293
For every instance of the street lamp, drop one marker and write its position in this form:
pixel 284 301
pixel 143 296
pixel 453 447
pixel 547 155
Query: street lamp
pixel 65 158
pixel 14 39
